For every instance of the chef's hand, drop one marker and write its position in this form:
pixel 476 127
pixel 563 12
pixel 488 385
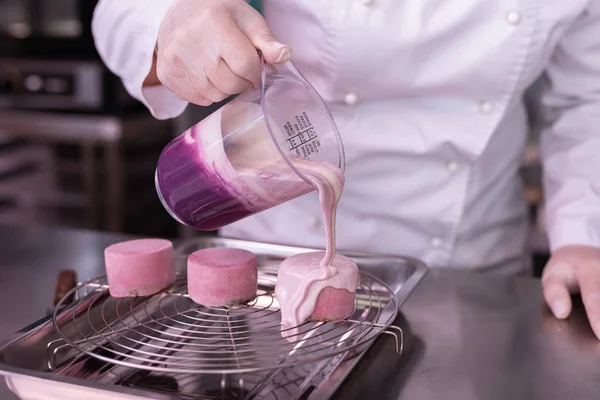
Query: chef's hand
pixel 207 49
pixel 574 269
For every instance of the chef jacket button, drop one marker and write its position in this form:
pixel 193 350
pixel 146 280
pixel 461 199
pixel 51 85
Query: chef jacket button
pixel 315 222
pixel 485 107
pixel 351 98
pixel 436 242
pixel 452 166
pixel 367 3
pixel 513 17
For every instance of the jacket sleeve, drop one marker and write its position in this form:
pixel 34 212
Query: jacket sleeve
pixel 125 33
pixel 571 138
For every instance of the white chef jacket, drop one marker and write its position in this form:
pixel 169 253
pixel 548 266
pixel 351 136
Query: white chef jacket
pixel 427 95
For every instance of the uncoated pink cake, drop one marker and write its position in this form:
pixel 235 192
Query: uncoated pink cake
pixel 139 267
pixel 222 276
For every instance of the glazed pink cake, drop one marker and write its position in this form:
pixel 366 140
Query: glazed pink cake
pixel 309 290
pixel 222 276
pixel 139 267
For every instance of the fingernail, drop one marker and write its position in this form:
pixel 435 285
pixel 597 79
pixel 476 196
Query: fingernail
pixel 285 53
pixel 560 309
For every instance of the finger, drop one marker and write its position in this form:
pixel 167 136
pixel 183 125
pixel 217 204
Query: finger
pixel 200 84
pixel 556 295
pixel 225 80
pixel 170 73
pixel 195 98
pixel 589 284
pixel 186 93
pixel 238 52
pixel 256 29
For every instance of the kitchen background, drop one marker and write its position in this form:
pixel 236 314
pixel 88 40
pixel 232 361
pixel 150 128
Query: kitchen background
pixel 77 151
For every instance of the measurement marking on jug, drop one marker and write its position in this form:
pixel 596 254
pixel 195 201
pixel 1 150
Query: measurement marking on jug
pixel 302 136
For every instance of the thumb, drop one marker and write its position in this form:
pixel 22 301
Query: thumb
pixel 258 32
pixel 556 292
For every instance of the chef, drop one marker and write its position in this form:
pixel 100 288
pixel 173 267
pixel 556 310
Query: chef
pixel 428 97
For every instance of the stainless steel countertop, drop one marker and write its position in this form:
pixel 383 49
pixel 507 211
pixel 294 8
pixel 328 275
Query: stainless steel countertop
pixel 474 336
pixel 30 260
pixel 483 337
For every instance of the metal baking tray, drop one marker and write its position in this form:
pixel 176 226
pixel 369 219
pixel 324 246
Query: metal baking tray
pixel 31 359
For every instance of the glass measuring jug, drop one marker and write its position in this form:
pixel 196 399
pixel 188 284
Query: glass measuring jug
pixel 250 154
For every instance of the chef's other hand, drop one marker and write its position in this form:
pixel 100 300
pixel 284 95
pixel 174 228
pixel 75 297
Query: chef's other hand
pixel 207 49
pixel 574 269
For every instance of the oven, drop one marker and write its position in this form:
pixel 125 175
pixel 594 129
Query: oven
pixel 48 60
pixel 75 149
pixel 52 29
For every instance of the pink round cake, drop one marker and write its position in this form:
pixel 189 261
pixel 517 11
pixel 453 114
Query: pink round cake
pixel 139 267
pixel 222 276
pixel 307 290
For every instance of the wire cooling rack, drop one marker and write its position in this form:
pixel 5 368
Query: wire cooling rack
pixel 168 332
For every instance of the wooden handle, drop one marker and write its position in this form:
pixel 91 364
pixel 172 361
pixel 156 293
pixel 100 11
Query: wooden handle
pixel 67 279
